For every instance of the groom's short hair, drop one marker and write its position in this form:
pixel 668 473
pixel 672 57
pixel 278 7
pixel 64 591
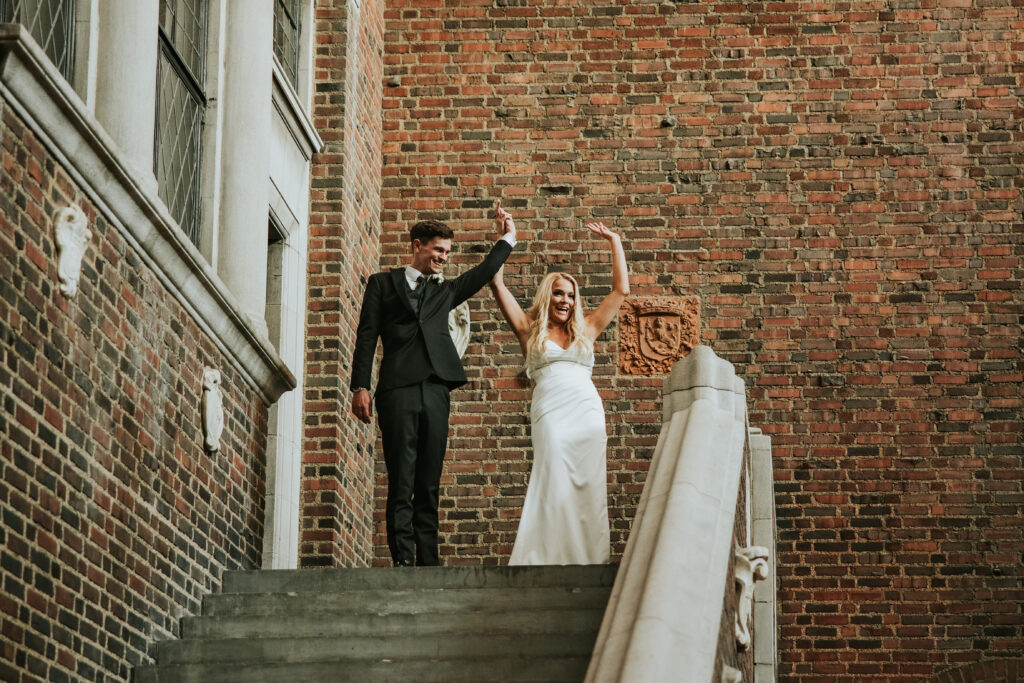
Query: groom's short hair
pixel 424 231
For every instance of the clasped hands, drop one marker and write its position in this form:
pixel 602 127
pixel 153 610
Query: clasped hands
pixel 507 225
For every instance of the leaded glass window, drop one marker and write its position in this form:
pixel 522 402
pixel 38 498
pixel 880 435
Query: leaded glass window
pixel 181 109
pixel 51 23
pixel 286 37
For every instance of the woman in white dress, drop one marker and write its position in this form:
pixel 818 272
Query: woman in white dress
pixel 565 514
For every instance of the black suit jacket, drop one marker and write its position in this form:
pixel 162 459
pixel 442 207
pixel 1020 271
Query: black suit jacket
pixel 415 346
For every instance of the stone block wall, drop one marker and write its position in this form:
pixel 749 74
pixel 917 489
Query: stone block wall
pixel 840 184
pixel 116 521
pixel 338 452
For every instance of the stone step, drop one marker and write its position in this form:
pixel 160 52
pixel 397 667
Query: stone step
pixel 389 622
pixel 452 624
pixel 385 602
pixel 335 580
pixel 492 670
pixel 262 651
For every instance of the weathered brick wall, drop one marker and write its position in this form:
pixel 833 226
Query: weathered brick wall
pixel 337 490
pixel 987 671
pixel 115 519
pixel 840 183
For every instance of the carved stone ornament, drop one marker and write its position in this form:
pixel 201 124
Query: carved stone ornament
pixel 458 326
pixel 751 566
pixel 213 409
pixel 654 333
pixel 72 234
pixel 731 675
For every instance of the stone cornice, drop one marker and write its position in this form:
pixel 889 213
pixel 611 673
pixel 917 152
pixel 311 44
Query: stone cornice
pixel 34 88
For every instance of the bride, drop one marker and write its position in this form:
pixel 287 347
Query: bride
pixel 565 514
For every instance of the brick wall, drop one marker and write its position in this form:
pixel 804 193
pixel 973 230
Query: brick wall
pixel 337 490
pixel 840 183
pixel 115 520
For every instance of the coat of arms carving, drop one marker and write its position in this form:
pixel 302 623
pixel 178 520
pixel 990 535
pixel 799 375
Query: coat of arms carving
pixel 657 332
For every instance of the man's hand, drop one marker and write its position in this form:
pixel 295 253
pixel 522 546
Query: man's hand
pixel 361 406
pixel 505 223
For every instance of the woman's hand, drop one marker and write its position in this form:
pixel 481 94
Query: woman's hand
pixel 601 316
pixel 601 230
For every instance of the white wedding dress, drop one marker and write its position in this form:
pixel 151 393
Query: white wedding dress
pixel 565 514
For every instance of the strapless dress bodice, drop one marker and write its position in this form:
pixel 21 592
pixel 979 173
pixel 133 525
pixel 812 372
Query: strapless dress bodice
pixel 554 356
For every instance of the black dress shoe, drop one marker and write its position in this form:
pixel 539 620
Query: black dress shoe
pixel 403 563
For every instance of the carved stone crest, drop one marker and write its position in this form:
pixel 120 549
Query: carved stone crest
pixel 657 332
pixel 72 234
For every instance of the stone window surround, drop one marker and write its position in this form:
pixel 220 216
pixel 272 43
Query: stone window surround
pixel 294 111
pixel 292 100
pixel 284 443
pixel 62 122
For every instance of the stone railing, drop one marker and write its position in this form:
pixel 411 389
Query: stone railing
pixel 665 612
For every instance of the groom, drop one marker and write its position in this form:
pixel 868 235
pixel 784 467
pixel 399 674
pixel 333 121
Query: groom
pixel 407 309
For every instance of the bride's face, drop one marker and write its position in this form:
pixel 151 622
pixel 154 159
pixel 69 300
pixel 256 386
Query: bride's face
pixel 563 299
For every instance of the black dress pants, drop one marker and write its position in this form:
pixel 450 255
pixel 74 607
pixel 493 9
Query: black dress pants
pixel 413 424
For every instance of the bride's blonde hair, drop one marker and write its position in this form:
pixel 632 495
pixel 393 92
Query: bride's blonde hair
pixel 575 326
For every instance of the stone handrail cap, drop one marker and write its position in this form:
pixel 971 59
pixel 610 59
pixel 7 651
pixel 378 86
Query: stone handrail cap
pixel 702 368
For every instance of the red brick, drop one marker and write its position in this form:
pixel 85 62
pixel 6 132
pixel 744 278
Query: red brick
pixel 838 220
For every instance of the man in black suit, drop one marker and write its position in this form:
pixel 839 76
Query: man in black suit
pixel 407 309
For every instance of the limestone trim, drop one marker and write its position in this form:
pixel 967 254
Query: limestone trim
pixel 665 609
pixel 48 105
pixel 751 566
pixel 72 234
pixel 731 675
pixel 762 530
pixel 459 327
pixel 287 284
pixel 286 101
pixel 213 410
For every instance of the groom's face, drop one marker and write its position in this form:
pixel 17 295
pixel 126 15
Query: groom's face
pixel 429 257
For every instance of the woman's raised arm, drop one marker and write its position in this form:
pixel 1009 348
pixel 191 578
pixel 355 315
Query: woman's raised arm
pixel 599 318
pixel 510 308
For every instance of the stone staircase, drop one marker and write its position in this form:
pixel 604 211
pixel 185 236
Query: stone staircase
pixel 452 624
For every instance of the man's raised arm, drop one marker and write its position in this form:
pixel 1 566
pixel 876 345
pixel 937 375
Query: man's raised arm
pixel 470 282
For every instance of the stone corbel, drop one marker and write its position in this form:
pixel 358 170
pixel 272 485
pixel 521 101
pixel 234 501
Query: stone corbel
pixel 731 675
pixel 458 327
pixel 72 234
pixel 213 409
pixel 751 566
